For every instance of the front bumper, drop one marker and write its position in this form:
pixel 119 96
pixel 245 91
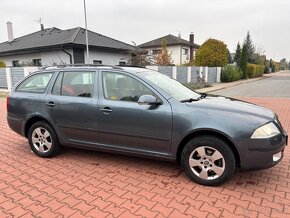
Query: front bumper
pixel 264 153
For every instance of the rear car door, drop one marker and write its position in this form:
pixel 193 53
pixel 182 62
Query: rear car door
pixel 127 125
pixel 72 105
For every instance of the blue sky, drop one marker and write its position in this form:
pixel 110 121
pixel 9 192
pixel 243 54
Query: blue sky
pixel 144 20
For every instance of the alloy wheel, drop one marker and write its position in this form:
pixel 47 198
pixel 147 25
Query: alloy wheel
pixel 41 140
pixel 207 163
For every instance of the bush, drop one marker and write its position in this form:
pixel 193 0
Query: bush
pixel 2 64
pixel 231 73
pixel 255 70
pixel 212 53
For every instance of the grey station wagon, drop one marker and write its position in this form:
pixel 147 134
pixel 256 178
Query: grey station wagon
pixel 137 111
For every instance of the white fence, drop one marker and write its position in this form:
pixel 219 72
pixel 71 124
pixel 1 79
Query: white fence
pixel 9 76
pixel 190 74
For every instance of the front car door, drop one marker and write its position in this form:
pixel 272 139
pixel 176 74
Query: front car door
pixel 72 105
pixel 127 125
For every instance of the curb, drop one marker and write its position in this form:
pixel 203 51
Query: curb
pixel 233 85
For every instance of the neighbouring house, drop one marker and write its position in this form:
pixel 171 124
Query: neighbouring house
pixel 182 51
pixel 53 46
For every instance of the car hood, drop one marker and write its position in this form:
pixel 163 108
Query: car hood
pixel 232 105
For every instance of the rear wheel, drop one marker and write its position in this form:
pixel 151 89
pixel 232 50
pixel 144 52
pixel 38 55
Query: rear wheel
pixel 208 160
pixel 43 140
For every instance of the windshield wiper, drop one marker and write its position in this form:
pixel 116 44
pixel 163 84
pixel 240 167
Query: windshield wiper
pixel 190 100
pixel 203 95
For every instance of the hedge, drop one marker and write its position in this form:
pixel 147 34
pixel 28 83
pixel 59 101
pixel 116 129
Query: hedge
pixel 255 70
pixel 230 73
pixel 2 64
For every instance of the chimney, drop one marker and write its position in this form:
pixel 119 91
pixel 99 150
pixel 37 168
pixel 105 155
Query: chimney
pixel 191 40
pixel 10 31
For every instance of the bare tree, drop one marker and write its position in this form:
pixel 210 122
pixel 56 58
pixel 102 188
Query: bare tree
pixel 140 57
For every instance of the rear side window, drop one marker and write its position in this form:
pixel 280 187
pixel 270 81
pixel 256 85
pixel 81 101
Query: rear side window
pixel 35 83
pixel 78 84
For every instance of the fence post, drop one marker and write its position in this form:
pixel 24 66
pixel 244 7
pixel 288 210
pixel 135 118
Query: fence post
pixel 9 78
pixel 188 74
pixel 218 74
pixel 26 71
pixel 200 71
pixel 152 67
pixel 205 74
pixel 174 71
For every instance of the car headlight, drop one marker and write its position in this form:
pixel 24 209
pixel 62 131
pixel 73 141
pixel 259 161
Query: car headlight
pixel 266 131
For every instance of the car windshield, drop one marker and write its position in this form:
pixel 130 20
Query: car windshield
pixel 170 86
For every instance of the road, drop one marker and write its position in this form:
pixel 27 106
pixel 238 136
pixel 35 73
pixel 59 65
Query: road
pixel 277 86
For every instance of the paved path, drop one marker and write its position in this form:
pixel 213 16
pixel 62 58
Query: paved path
pixel 80 183
pixel 278 85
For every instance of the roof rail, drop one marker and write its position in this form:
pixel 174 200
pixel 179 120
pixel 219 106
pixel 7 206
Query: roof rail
pixel 79 65
pixel 138 66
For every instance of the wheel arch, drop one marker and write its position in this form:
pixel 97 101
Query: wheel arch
pixel 209 132
pixel 31 121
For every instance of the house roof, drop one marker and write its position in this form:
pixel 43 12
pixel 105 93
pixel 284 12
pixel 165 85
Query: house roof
pixel 171 40
pixel 56 38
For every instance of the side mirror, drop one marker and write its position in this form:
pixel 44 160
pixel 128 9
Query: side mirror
pixel 148 100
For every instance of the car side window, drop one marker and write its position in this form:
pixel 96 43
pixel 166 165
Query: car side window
pixel 35 83
pixel 76 83
pixel 117 86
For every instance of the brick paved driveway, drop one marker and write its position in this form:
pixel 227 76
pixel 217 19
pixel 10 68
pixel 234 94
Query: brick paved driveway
pixel 79 183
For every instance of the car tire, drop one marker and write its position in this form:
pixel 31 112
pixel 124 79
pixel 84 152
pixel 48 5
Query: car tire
pixel 208 160
pixel 43 140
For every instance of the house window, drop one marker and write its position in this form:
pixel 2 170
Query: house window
pixel 185 51
pixel 36 62
pixel 122 63
pixel 155 51
pixel 97 61
pixel 15 63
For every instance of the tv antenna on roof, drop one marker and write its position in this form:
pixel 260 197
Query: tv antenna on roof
pixel 39 21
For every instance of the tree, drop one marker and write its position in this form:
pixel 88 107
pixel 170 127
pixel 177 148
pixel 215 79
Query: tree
pixel 283 64
pixel 230 60
pixel 238 53
pixel 212 53
pixel 243 63
pixel 250 48
pixel 163 56
pixel 2 64
pixel 139 57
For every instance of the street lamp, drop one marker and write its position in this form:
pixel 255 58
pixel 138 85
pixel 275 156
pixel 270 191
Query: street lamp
pixel 87 40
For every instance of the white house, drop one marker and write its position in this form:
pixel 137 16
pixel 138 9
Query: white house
pixel 182 51
pixel 53 46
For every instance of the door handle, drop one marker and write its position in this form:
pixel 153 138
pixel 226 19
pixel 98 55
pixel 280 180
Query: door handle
pixel 106 110
pixel 50 104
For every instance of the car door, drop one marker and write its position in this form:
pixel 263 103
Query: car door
pixel 127 125
pixel 72 105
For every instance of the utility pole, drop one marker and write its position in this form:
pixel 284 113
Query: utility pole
pixel 87 40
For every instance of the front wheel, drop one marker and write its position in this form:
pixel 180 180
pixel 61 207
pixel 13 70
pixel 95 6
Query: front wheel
pixel 208 160
pixel 43 140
